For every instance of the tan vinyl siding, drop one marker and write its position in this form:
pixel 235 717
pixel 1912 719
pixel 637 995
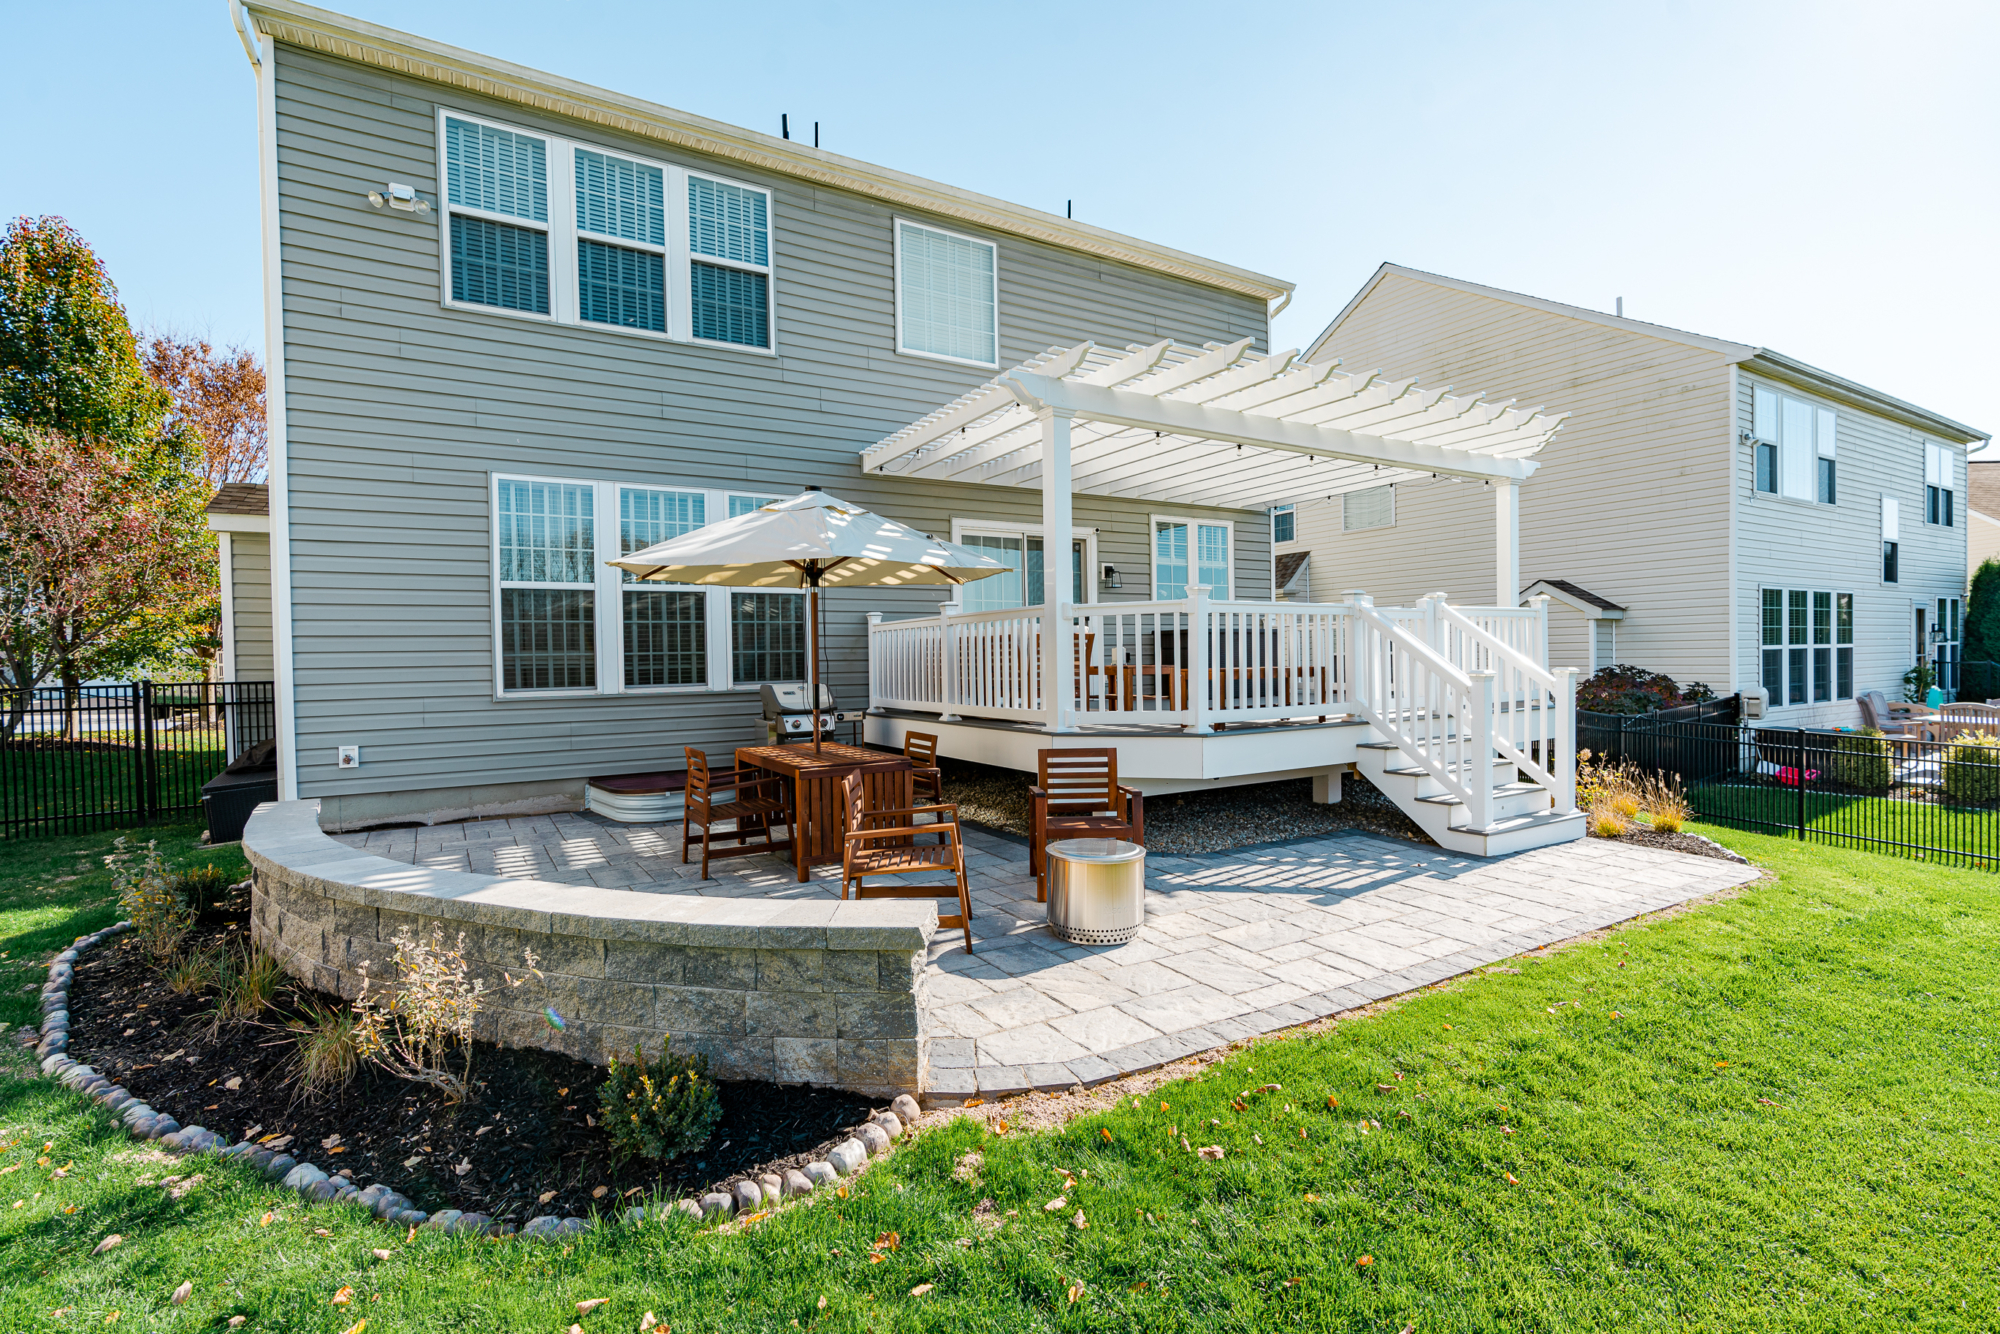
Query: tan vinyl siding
pixel 250 595
pixel 1631 499
pixel 399 410
pixel 1784 543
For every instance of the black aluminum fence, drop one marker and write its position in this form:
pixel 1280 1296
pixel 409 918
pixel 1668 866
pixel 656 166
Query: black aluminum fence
pixel 1651 741
pixel 1934 800
pixel 105 756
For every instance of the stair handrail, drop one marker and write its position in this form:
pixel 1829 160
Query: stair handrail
pixel 1556 768
pixel 1472 728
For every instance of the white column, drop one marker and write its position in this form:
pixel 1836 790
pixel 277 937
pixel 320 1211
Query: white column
pixel 1196 666
pixel 1058 653
pixel 1507 543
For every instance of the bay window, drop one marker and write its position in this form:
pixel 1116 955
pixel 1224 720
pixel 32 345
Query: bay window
pixel 555 597
pixel 579 234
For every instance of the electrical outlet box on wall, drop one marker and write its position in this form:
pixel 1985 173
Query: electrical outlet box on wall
pixel 350 757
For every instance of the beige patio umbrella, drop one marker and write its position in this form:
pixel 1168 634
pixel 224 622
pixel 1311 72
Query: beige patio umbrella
pixel 810 541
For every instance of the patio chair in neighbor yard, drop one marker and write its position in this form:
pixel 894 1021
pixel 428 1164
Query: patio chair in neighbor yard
pixel 1078 796
pixel 1894 720
pixel 884 842
pixel 1955 720
pixel 758 806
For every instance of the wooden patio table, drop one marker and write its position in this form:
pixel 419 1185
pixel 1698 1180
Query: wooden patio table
pixel 818 825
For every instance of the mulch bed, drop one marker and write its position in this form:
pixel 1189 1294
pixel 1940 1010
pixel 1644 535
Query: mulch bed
pixel 527 1134
pixel 1689 843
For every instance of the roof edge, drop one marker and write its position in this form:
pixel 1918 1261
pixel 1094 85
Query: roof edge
pixel 354 39
pixel 1781 367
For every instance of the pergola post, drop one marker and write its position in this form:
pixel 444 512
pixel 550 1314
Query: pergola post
pixel 1057 523
pixel 1506 543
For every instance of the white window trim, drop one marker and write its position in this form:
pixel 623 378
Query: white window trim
pixel 1272 514
pixel 1785 646
pixel 962 528
pixel 1153 522
pixel 1816 451
pixel 564 298
pixel 609 588
pixel 896 240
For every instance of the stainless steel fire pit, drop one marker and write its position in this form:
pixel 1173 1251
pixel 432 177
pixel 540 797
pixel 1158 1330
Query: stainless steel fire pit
pixel 1097 890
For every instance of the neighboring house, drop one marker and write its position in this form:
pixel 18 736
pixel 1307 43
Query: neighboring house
pixel 1713 510
pixel 1982 513
pixel 518 326
pixel 240 516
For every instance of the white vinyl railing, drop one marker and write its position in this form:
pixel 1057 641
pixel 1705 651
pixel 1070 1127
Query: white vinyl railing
pixel 1452 687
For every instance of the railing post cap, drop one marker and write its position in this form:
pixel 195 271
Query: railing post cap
pixel 874 618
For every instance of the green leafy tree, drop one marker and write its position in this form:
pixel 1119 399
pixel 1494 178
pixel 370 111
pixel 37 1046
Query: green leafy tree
pixel 1982 614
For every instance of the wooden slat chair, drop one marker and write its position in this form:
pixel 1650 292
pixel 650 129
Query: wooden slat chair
pixel 756 807
pixel 1079 797
pixel 884 842
pixel 920 748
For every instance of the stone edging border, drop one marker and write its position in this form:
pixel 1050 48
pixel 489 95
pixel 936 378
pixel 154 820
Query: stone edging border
pixel 143 1122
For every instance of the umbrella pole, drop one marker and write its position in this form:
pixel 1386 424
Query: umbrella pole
pixel 812 635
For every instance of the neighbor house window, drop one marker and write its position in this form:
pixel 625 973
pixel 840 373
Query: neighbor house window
pixel 947 295
pixel 553 539
pixel 1179 547
pixel 589 236
pixel 1797 446
pixel 1374 507
pixel 1940 479
pixel 1945 652
pixel 497 214
pixel 1806 638
pixel 548 597
pixel 1284 523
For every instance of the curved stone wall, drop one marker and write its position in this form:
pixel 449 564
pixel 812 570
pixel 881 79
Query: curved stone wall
pixel 792 991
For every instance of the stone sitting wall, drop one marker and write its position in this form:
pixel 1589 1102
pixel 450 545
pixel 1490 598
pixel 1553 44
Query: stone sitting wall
pixel 795 992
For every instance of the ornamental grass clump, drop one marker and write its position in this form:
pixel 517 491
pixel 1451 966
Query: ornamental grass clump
pixel 328 1051
pixel 248 981
pixel 148 898
pixel 662 1111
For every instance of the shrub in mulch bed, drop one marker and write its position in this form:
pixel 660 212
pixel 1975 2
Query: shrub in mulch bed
pixel 526 1143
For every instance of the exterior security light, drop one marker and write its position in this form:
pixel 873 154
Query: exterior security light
pixel 1110 578
pixel 403 198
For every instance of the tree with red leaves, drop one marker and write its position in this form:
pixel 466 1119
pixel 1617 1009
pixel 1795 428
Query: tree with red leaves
pixel 217 402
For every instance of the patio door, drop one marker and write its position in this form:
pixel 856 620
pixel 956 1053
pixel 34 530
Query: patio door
pixel 1022 585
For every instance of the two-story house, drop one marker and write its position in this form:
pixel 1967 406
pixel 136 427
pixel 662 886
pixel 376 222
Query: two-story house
pixel 1713 510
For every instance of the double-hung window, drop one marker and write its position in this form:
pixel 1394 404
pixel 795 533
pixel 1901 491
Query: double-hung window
pixel 1284 523
pixel 1797 445
pixel 1891 542
pixel 1807 645
pixel 1940 483
pixel 582 234
pixel 565 621
pixel 1180 547
pixel 947 295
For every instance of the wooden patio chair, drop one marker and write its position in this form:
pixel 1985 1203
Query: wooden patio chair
pixel 884 842
pixel 920 748
pixel 756 806
pixel 1955 720
pixel 1078 796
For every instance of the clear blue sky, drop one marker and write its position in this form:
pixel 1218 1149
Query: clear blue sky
pixel 1819 178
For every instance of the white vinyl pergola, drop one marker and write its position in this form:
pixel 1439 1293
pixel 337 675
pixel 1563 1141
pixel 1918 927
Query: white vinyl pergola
pixel 1215 425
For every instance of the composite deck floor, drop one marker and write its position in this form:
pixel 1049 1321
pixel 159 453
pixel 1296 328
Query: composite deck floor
pixel 1235 943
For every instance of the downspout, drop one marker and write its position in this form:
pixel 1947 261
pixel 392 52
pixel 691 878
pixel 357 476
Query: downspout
pixel 274 398
pixel 1731 599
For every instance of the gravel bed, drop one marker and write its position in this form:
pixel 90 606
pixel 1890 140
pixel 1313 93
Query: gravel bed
pixel 1212 821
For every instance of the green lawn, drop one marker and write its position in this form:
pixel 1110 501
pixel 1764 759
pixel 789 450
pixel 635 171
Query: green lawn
pixel 1788 1126
pixel 1959 835
pixel 42 785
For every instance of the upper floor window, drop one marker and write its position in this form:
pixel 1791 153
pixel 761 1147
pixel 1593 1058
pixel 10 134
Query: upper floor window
pixel 543 226
pixel 1373 507
pixel 1284 523
pixel 1180 547
pixel 1940 483
pixel 1796 446
pixel 1891 542
pixel 947 295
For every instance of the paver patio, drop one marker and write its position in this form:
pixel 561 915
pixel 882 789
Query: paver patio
pixel 1235 943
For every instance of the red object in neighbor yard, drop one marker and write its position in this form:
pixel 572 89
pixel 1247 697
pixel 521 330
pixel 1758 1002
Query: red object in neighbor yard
pixel 1789 775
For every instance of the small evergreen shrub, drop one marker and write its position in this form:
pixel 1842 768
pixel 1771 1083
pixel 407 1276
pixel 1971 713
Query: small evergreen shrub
pixel 1860 760
pixel 201 887
pixel 662 1111
pixel 1972 769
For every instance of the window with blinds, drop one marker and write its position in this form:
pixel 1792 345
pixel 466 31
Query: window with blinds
pixel 1373 507
pixel 548 600
pixel 947 295
pixel 767 637
pixel 541 225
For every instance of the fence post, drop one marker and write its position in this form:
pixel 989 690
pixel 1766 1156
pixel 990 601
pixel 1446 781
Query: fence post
pixel 1801 774
pixel 142 700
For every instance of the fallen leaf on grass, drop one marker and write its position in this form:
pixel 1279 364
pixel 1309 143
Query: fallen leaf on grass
pixel 648 1322
pixel 999 1127
pixel 1721 1065
pixel 1311 1198
pixel 1768 1103
pixel 1212 1152
pixel 875 1257
pixel 1080 1222
pixel 822 1303
pixel 1075 1291
pixel 107 1244
pixel 1363 1261
pixel 1614 1013
pixel 589 1304
pixel 1512 1180
pixel 1332 1102
pixel 182 1293
pixel 381 1254
pixel 343 1297
pixel 1107 1134
pixel 921 1289
pixel 265 1221
pixel 356 1327
pixel 547 1195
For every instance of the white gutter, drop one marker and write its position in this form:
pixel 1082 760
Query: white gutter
pixel 262 57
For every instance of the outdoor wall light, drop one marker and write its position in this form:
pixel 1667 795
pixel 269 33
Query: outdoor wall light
pixel 1110 578
pixel 403 198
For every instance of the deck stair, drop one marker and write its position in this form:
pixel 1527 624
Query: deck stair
pixel 1523 815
